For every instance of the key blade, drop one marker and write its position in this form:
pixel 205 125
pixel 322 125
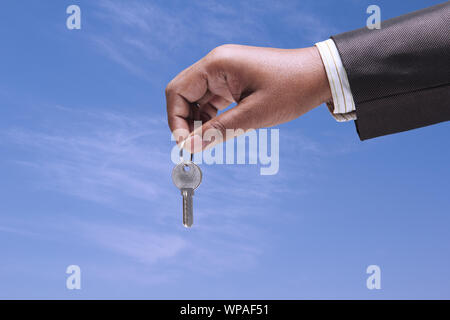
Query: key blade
pixel 188 211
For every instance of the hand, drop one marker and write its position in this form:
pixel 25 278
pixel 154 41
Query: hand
pixel 270 86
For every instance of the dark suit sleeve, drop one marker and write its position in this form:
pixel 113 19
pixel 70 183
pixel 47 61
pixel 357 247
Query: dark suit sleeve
pixel 399 75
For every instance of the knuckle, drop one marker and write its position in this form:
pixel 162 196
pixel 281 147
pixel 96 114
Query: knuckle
pixel 170 88
pixel 218 125
pixel 223 52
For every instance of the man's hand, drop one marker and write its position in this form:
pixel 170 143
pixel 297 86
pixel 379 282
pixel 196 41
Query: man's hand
pixel 270 86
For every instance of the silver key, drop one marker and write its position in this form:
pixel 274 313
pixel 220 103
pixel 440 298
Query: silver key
pixel 187 177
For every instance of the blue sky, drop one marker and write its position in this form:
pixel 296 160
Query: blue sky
pixel 85 166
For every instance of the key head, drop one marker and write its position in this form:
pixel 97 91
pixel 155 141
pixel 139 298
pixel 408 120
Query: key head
pixel 187 175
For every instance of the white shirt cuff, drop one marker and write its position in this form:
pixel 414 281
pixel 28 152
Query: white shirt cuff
pixel 342 107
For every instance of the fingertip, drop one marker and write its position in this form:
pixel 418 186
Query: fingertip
pixel 193 143
pixel 179 135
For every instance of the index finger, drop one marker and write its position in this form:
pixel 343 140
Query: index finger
pixel 181 94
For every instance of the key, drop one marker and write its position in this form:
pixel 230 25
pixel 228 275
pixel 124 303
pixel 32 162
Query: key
pixel 187 177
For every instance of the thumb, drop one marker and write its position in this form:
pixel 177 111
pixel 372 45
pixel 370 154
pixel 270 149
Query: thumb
pixel 233 122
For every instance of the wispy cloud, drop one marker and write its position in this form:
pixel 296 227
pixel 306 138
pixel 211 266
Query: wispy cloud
pixel 142 34
pixel 120 56
pixel 98 155
pixel 137 243
pixel 108 157
pixel 16 231
pixel 122 162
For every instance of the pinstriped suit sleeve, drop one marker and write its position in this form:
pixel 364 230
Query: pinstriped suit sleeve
pixel 400 74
